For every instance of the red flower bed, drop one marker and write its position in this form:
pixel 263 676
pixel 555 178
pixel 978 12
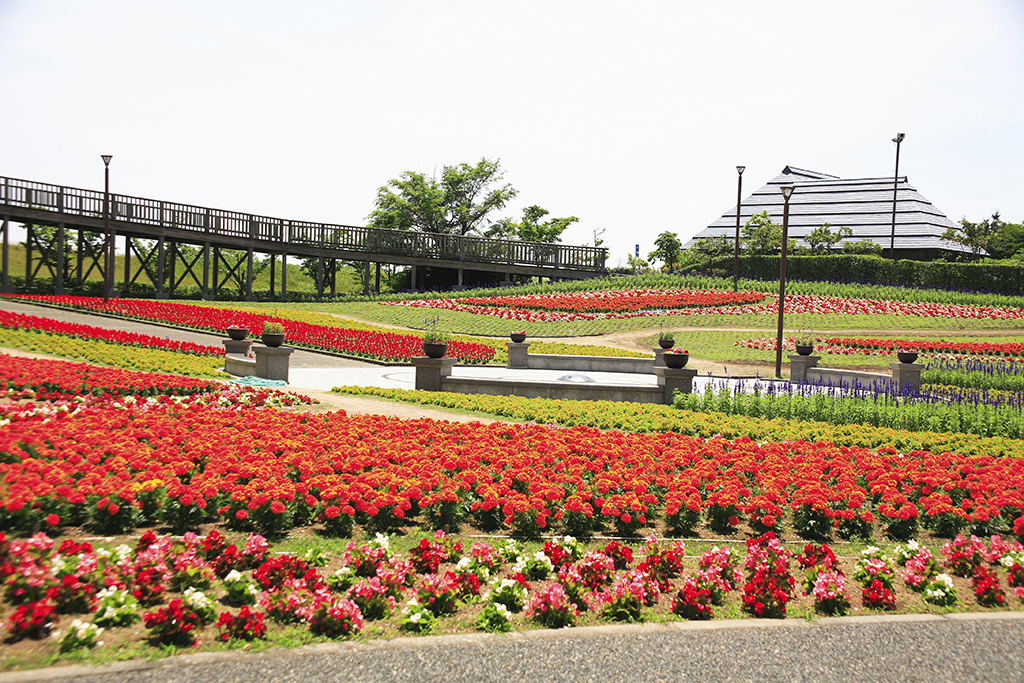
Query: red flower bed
pixel 264 473
pixel 828 305
pixel 619 301
pixel 383 345
pixel 62 377
pixel 32 323
pixel 874 347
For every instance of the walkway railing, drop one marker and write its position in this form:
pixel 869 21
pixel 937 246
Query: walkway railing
pixel 71 201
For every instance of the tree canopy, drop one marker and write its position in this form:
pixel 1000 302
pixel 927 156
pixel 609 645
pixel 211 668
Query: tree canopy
pixel 668 250
pixel 993 236
pixel 823 239
pixel 457 203
pixel 530 228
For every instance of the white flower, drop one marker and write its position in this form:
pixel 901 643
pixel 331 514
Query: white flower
pixel 233 576
pixel 196 599
pixel 464 564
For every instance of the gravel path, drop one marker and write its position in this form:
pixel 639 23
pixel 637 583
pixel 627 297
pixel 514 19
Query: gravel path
pixel 984 647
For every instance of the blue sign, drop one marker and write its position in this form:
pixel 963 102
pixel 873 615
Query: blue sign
pixel 638 251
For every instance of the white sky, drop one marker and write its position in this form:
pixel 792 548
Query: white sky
pixel 630 115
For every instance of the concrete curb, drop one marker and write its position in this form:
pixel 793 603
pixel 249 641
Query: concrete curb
pixel 423 642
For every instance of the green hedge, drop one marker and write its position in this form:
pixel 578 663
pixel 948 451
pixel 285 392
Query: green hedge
pixel 975 277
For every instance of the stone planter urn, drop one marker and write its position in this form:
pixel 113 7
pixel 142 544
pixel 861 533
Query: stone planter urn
pixel 238 333
pixel 431 350
pixel 676 360
pixel 907 356
pixel 272 339
pixel 666 343
pixel 804 349
pixel 518 337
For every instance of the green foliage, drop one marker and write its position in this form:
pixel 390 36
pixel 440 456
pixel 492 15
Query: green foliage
pixel 529 229
pixel 456 204
pixel 668 248
pixel 879 411
pixel 903 274
pixel 760 236
pixel 978 236
pixel 862 248
pixel 823 240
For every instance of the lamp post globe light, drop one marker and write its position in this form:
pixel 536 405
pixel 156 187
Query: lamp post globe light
pixel 787 192
pixel 108 244
pixel 895 184
pixel 736 249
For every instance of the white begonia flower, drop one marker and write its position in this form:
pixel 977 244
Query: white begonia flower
pixel 233 576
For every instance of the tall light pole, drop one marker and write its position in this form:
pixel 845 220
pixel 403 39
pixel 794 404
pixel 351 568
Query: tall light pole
pixel 736 250
pixel 108 244
pixel 895 183
pixel 787 192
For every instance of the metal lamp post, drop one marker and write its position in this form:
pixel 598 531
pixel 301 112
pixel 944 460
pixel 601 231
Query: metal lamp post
pixel 108 244
pixel 787 192
pixel 895 183
pixel 736 249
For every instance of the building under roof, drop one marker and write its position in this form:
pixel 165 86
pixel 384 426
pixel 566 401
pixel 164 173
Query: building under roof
pixel 862 204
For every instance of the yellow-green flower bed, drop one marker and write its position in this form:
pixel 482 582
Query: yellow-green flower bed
pixel 103 353
pixel 639 417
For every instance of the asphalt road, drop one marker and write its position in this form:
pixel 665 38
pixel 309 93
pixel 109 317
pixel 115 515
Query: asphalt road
pixel 964 647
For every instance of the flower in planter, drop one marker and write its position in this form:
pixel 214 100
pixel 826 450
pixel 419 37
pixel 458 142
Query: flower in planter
pixel 678 352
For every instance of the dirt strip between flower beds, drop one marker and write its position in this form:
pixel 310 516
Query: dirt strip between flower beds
pixel 975 646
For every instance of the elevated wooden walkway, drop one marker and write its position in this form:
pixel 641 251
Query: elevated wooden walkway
pixel 172 225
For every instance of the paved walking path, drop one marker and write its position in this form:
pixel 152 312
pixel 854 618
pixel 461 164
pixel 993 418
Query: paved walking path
pixel 957 647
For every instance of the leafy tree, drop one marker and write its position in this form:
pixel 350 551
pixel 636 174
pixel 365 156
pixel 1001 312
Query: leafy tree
pixel 457 203
pixel 529 229
pixel 862 247
pixel 975 236
pixel 998 238
pixel 638 264
pixel 823 240
pixel 762 237
pixel 668 250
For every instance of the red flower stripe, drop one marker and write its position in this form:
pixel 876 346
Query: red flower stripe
pixel 383 345
pixel 828 305
pixel 62 377
pixel 32 323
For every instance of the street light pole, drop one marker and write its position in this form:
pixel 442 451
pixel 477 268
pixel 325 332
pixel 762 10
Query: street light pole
pixel 108 246
pixel 736 250
pixel 787 192
pixel 895 183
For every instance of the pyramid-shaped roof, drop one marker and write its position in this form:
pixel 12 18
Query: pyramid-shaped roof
pixel 862 204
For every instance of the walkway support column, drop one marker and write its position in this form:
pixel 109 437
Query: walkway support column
pixel 5 281
pixel 58 284
pixel 160 261
pixel 284 276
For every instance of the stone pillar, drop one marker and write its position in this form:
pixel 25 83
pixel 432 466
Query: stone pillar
pixel 518 355
pixel 237 348
pixel 431 371
pixel 672 380
pixel 907 373
pixel 798 366
pixel 659 357
pixel 272 361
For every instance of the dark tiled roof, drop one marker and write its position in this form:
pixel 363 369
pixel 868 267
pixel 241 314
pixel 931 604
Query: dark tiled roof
pixel 862 204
